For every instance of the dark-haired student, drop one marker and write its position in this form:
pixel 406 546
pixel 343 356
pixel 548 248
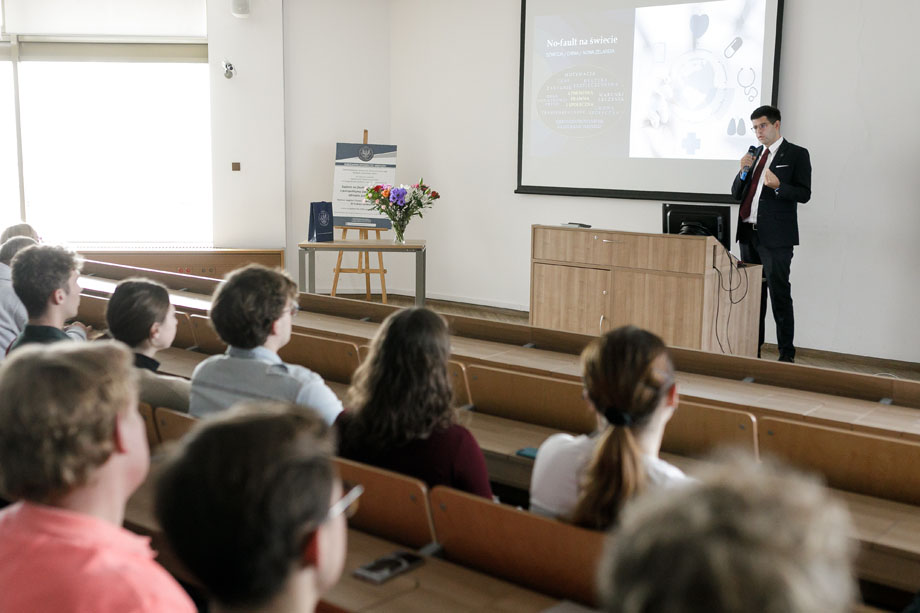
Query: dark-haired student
pixel 140 315
pixel 252 311
pixel 401 418
pixel 251 505
pixel 13 315
pixel 629 381
pixel 46 279
pixel 73 448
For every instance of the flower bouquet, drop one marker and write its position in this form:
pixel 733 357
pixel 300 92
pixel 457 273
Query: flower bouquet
pixel 400 203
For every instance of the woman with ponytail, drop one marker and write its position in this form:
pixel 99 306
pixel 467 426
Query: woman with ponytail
pixel 629 382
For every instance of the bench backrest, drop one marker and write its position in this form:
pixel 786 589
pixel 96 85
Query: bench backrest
pixel 854 461
pixel 332 359
pixel 457 373
pixel 146 411
pixel 393 506
pixel 205 336
pixel 540 553
pixel 173 425
pixel 544 401
pixel 92 311
pixel 696 429
pixel 185 334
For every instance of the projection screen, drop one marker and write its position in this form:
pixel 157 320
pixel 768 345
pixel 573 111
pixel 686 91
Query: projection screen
pixel 638 99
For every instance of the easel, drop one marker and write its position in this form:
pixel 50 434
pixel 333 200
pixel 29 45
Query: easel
pixel 364 260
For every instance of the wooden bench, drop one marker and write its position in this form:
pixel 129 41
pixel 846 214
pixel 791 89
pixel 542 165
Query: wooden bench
pixel 697 429
pixel 819 395
pixel 853 461
pixel 92 311
pixel 457 373
pixel 146 411
pixel 173 425
pixel 533 399
pixel 332 359
pixel 536 552
pixel 205 336
pixel 185 334
pixel 393 506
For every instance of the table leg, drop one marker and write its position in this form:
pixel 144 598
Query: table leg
pixel 302 271
pixel 420 278
pixel 312 275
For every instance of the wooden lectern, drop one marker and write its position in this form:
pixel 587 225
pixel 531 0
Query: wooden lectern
pixel 685 289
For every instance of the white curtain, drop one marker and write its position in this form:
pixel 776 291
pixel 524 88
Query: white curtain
pixel 120 18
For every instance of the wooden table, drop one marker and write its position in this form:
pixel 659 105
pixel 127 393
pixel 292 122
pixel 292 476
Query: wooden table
pixel 307 272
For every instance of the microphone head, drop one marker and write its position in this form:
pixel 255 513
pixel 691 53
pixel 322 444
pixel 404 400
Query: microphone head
pixel 752 149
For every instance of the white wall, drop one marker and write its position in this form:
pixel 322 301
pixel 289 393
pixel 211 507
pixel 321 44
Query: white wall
pixel 848 92
pixel 337 65
pixel 247 125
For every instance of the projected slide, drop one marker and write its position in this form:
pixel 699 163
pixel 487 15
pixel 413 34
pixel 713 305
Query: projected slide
pixel 696 71
pixel 624 95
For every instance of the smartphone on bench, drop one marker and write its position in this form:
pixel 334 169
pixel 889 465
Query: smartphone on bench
pixel 387 567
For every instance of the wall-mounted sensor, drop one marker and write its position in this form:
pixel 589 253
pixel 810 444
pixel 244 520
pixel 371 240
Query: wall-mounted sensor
pixel 229 70
pixel 239 8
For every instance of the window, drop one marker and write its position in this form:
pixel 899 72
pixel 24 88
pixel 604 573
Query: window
pixel 117 152
pixel 9 164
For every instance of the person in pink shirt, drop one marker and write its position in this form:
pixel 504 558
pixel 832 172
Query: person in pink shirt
pixel 73 448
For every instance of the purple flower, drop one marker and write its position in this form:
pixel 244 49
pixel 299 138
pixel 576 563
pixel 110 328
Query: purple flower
pixel 398 196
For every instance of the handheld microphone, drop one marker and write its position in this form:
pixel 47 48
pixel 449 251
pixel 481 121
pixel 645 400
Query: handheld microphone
pixel 752 150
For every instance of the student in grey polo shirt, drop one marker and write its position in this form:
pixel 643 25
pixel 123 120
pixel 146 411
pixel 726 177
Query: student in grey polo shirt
pixel 13 315
pixel 252 312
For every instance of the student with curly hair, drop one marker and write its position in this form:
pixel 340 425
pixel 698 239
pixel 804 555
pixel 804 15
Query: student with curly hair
pixel 253 311
pixel 402 419
pixel 629 381
pixel 46 279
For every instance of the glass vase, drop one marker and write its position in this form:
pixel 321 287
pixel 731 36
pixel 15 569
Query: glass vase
pixel 399 227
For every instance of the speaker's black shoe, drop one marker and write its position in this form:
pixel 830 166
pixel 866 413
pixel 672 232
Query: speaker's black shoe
pixel 787 358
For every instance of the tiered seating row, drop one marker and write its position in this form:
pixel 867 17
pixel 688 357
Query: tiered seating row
pixel 698 426
pixel 764 389
pixel 538 553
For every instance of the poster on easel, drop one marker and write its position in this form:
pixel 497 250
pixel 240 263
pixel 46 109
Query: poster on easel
pixel 358 166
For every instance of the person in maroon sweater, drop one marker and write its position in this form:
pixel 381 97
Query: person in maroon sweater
pixel 401 418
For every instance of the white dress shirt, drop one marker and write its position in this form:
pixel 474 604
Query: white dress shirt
pixel 770 152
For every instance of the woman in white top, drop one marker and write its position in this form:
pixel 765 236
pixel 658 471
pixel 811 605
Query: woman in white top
pixel 629 381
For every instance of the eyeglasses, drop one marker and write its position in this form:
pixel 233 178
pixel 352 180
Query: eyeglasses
pixel 347 504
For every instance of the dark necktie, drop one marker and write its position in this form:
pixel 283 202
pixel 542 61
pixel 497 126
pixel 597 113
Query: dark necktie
pixel 745 211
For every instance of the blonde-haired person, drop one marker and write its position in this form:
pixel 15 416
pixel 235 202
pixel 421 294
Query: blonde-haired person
pixel 746 538
pixel 629 381
pixel 73 448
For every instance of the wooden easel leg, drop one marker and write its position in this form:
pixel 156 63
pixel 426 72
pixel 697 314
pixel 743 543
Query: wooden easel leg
pixel 383 279
pixel 338 265
pixel 365 267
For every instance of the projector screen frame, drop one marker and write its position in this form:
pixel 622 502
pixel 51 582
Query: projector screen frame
pixel 546 190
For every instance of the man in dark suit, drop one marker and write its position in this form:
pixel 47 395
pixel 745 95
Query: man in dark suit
pixel 776 178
